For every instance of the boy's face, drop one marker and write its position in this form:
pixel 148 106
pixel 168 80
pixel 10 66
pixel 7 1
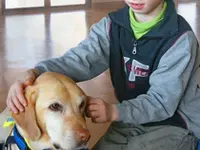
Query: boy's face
pixel 143 6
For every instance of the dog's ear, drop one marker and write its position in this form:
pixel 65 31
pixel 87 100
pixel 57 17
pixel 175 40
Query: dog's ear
pixel 27 120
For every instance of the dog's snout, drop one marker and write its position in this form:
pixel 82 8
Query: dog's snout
pixel 57 146
pixel 83 135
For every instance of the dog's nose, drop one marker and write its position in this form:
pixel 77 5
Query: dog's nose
pixel 57 146
pixel 83 135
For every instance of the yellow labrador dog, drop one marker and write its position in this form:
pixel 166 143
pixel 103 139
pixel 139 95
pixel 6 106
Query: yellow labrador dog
pixel 54 117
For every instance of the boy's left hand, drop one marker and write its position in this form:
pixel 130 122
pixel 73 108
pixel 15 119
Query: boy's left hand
pixel 100 111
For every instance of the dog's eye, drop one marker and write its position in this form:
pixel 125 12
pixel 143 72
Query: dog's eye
pixel 56 107
pixel 82 105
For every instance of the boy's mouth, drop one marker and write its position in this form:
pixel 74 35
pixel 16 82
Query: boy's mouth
pixel 136 6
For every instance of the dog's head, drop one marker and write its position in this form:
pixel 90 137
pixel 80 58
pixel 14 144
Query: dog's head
pixel 55 113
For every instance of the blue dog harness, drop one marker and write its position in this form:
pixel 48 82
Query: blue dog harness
pixel 17 139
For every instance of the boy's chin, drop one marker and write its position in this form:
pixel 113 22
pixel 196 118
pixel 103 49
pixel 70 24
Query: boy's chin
pixel 138 11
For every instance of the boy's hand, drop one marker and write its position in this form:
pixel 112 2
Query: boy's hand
pixel 100 111
pixel 16 100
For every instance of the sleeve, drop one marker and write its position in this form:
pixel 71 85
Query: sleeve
pixel 85 61
pixel 167 85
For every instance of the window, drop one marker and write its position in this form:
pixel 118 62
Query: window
pixel 67 2
pixel 33 4
pixel 23 3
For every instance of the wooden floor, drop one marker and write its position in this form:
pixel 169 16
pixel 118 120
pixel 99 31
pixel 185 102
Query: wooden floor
pixel 27 38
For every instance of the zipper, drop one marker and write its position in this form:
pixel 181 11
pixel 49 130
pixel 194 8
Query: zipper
pixel 134 52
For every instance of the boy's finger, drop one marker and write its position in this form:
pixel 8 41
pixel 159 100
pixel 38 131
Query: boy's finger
pixel 20 95
pixel 96 120
pixel 8 105
pixel 93 101
pixel 8 100
pixel 12 107
pixel 29 78
pixel 29 81
pixel 93 114
pixel 93 107
pixel 17 104
pixel 89 97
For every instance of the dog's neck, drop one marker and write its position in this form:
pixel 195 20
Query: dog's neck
pixel 42 143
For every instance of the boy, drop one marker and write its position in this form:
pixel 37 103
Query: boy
pixel 152 55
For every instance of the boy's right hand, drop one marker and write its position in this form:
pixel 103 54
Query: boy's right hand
pixel 16 100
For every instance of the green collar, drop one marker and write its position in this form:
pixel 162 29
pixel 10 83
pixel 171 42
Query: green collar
pixel 139 29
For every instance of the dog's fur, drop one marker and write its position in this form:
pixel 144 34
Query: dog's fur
pixel 55 113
